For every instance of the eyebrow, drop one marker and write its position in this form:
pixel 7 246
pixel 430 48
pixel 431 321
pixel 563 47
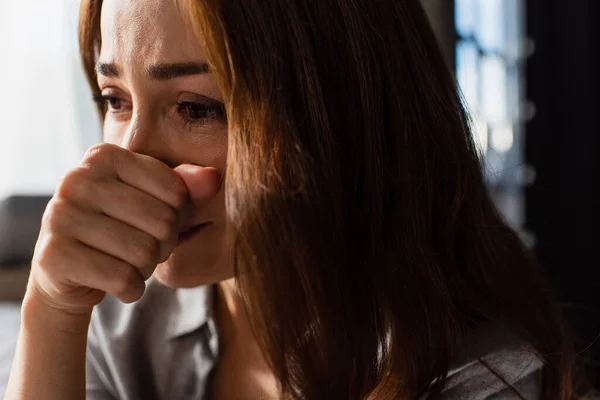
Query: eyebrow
pixel 107 69
pixel 159 72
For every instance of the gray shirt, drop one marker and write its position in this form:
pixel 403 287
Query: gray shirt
pixel 164 347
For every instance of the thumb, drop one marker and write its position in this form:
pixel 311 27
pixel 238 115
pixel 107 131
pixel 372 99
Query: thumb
pixel 203 183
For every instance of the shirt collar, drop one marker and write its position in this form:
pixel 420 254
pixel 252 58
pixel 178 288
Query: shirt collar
pixel 191 309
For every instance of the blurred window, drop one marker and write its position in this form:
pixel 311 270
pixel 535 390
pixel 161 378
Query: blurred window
pixel 47 117
pixel 489 54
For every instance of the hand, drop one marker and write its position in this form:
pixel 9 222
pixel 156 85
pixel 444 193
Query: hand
pixel 111 221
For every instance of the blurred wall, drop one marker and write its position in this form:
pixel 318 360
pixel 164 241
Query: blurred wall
pixel 47 117
pixel 562 145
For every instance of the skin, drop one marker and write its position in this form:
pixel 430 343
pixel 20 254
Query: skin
pixel 116 219
pixel 135 37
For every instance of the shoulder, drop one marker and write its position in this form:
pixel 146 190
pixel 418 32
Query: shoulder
pixel 498 367
pixel 161 335
pixel 504 374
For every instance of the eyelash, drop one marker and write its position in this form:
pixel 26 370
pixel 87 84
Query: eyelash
pixel 215 111
pixel 106 100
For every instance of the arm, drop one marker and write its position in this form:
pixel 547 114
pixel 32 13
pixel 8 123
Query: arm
pixel 109 224
pixel 50 358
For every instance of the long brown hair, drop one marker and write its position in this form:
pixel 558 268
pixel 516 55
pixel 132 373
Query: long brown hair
pixel 366 243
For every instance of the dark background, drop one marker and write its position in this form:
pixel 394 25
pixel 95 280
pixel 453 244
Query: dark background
pixel 562 204
pixel 562 144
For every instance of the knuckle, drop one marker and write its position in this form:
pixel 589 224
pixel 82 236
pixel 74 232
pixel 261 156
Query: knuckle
pixel 58 213
pixel 179 192
pixel 44 250
pixel 144 251
pixel 62 291
pixel 99 153
pixel 74 185
pixel 166 249
pixel 128 278
pixel 166 224
pixel 51 255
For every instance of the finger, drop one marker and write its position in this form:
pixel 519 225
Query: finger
pixel 108 274
pixel 140 171
pixel 136 208
pixel 202 183
pixel 63 261
pixel 112 237
pixel 146 213
pixel 124 203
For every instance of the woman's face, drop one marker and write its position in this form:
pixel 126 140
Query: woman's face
pixel 162 102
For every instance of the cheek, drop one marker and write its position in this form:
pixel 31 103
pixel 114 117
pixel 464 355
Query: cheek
pixel 208 150
pixel 219 154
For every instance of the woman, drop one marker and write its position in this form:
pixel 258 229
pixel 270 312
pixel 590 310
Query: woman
pixel 294 187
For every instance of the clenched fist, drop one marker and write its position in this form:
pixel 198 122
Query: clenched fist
pixel 110 222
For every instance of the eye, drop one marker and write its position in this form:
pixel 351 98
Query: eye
pixel 199 112
pixel 110 103
pixel 114 103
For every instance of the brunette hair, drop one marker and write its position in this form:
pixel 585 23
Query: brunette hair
pixel 366 244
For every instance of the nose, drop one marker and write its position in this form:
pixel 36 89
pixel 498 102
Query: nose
pixel 144 136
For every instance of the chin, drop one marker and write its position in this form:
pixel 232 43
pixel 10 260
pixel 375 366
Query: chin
pixel 195 264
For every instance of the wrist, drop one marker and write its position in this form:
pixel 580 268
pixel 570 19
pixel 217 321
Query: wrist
pixel 38 312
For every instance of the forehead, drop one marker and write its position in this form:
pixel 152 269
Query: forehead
pixel 146 31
